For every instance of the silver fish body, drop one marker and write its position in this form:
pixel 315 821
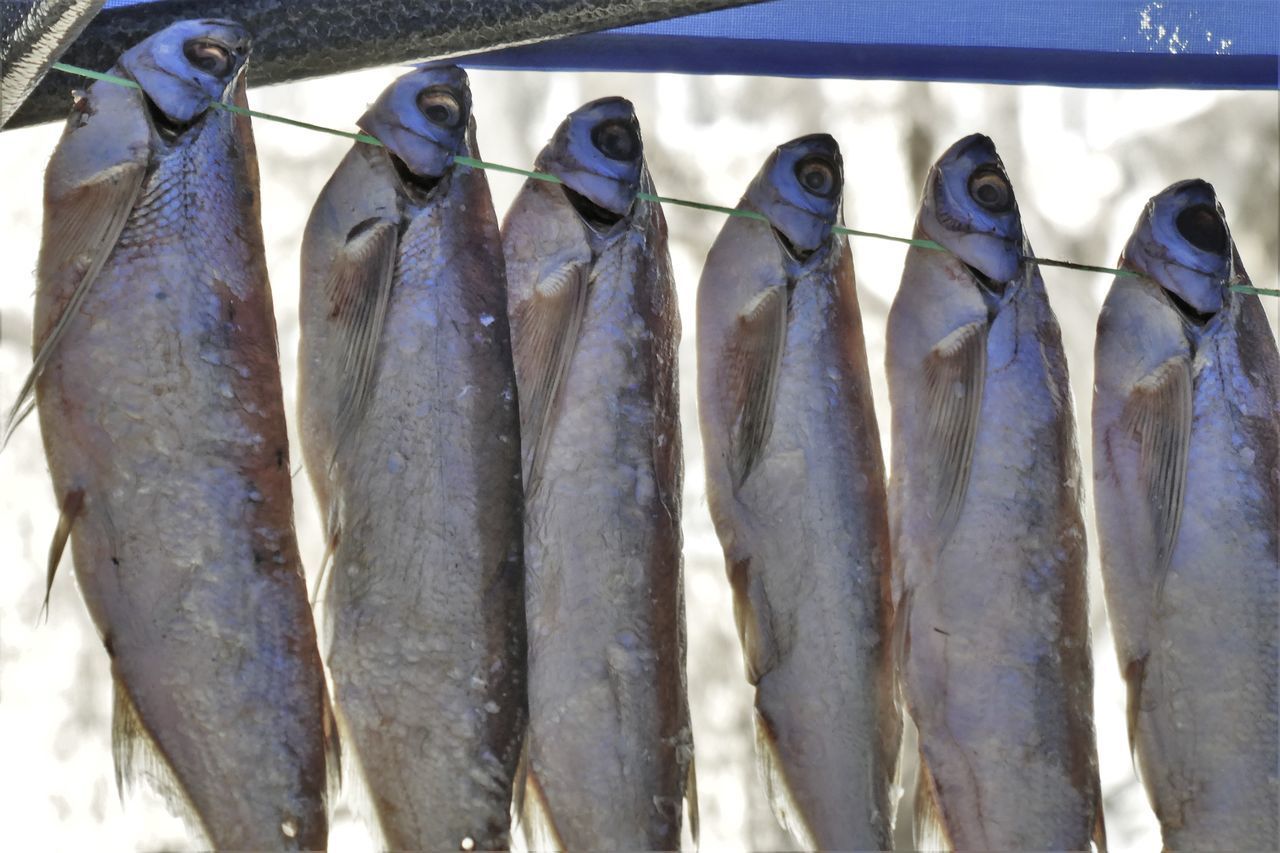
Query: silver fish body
pixel 795 482
pixel 989 547
pixel 410 429
pixel 1186 451
pixel 595 329
pixel 158 387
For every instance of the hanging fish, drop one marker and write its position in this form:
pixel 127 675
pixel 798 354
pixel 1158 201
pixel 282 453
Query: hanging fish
pixel 595 328
pixel 410 429
pixel 158 386
pixel 992 628
pixel 795 480
pixel 1186 454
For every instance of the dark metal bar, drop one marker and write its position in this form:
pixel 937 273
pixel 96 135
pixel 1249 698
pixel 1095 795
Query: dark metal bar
pixel 294 40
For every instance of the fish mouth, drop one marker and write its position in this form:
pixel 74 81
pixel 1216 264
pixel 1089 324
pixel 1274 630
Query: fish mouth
pixel 1188 311
pixel 795 252
pixel 986 282
pixel 419 187
pixel 168 128
pixel 598 217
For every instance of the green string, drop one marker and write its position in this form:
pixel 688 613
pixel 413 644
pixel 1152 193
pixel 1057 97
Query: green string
pixel 552 179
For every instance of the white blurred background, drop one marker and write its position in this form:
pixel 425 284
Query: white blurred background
pixel 1083 163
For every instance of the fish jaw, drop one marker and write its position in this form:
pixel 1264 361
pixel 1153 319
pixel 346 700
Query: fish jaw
pixel 989 241
pixel 180 90
pixel 1182 242
pixel 598 153
pixel 800 214
pixel 422 118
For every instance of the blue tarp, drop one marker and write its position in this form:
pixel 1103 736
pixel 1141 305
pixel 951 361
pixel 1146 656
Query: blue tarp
pixel 1179 43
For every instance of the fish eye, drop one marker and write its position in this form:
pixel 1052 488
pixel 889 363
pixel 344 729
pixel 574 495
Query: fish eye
pixel 818 176
pixel 1201 226
pixel 616 139
pixel 210 57
pixel 989 188
pixel 440 106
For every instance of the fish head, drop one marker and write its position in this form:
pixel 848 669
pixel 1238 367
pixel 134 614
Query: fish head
pixel 798 190
pixel 185 67
pixel 599 155
pixel 969 208
pixel 1182 242
pixel 422 119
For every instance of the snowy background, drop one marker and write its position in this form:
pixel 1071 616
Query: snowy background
pixel 1083 163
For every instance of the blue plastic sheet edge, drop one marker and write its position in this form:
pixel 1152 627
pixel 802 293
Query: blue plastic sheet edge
pixel 617 51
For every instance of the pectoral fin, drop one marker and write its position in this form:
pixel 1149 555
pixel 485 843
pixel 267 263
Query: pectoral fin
pixel 545 332
pixel 754 618
pixel 752 355
pixel 954 373
pixel 359 288
pixel 1159 414
pixel 692 821
pixel 84 224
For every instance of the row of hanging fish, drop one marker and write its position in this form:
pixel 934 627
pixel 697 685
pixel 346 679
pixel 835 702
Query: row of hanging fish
pixel 489 418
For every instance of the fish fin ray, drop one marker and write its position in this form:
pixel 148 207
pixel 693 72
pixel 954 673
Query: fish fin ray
pixel 928 829
pixel 359 289
pixel 954 373
pixel 1159 412
pixel 901 640
pixel 754 618
pixel 333 536
pixel 72 506
pixel 1099 820
pixel 84 224
pixel 752 356
pixel 691 803
pixel 137 757
pixel 539 824
pixel 332 749
pixel 1135 676
pixel 518 786
pixel 549 322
